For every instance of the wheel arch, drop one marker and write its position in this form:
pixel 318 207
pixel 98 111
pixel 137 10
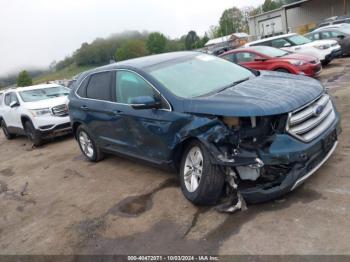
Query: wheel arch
pixel 25 118
pixel 179 150
pixel 75 126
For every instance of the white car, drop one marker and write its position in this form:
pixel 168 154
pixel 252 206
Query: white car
pixel 324 50
pixel 39 112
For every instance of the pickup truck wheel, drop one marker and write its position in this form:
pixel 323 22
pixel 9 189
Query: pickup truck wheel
pixel 201 182
pixel 88 146
pixel 7 134
pixel 32 134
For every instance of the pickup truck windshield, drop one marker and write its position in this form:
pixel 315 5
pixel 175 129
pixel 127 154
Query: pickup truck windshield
pixel 299 40
pixel 43 93
pixel 198 75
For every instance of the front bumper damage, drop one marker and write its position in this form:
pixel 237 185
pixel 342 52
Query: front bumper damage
pixel 295 160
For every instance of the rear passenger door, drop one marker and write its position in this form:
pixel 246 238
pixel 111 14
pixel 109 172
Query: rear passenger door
pixel 101 114
pixel 12 115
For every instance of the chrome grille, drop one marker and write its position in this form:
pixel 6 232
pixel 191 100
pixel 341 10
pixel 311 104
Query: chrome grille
pixel 312 120
pixel 60 110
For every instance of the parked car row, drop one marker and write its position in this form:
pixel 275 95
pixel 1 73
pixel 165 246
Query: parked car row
pixel 221 126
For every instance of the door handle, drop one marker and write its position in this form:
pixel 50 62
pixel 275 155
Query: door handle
pixel 84 108
pixel 117 112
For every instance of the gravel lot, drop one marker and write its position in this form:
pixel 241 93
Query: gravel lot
pixel 52 201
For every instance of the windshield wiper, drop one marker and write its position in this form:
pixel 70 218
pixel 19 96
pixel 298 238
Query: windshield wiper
pixel 232 84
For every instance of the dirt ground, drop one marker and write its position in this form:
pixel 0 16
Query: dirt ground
pixel 52 201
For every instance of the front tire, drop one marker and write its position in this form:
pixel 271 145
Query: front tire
pixel 32 134
pixel 87 145
pixel 201 182
pixel 7 134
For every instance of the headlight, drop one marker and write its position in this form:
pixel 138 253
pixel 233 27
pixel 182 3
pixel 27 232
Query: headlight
pixel 40 112
pixel 323 47
pixel 297 62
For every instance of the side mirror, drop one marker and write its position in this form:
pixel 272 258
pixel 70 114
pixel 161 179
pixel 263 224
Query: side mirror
pixel 14 104
pixel 341 36
pixel 260 59
pixel 144 102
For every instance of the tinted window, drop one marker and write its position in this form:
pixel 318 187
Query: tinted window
pixel 313 37
pixel 1 97
pixel 267 43
pixel 278 43
pixel 130 85
pixel 99 86
pixel 245 57
pixel 8 99
pixel 197 75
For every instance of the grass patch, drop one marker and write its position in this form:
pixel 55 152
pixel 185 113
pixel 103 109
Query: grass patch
pixel 65 73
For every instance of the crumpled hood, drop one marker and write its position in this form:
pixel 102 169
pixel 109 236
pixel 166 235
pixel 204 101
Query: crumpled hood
pixel 271 93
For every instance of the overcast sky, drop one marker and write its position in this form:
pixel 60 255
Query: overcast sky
pixel 36 32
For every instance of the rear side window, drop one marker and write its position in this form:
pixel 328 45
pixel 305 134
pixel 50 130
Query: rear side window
pixel 8 99
pixel 267 43
pixel 99 86
pixel 1 97
pixel 326 35
pixel 82 88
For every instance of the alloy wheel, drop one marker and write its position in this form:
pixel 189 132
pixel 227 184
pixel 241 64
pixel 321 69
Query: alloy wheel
pixel 193 169
pixel 86 144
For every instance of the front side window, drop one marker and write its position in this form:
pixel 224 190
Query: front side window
pixel 245 57
pixel 99 86
pixel 229 57
pixel 43 93
pixel 279 43
pixel 299 40
pixel 130 85
pixel 13 98
pixel 197 75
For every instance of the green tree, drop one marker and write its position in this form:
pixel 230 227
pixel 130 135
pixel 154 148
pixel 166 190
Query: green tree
pixel 24 79
pixel 191 40
pixel 156 43
pixel 270 5
pixel 231 21
pixel 131 49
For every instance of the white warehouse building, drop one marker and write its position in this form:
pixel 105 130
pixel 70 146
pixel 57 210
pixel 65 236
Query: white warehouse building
pixel 299 17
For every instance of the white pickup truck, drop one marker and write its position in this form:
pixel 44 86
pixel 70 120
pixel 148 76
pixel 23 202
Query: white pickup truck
pixel 324 50
pixel 39 112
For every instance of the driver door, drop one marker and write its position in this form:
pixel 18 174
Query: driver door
pixel 149 130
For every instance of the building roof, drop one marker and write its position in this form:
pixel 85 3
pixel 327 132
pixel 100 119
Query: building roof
pixel 225 38
pixel 281 8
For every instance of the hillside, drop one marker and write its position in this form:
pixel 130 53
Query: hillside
pixel 65 73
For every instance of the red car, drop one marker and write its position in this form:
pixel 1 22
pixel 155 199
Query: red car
pixel 274 59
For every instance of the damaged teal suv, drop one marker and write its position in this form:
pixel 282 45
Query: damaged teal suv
pixel 259 134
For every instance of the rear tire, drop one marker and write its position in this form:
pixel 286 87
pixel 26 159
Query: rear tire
pixel 32 134
pixel 325 62
pixel 87 145
pixel 7 134
pixel 201 182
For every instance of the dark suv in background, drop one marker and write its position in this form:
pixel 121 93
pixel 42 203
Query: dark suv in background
pixel 217 123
